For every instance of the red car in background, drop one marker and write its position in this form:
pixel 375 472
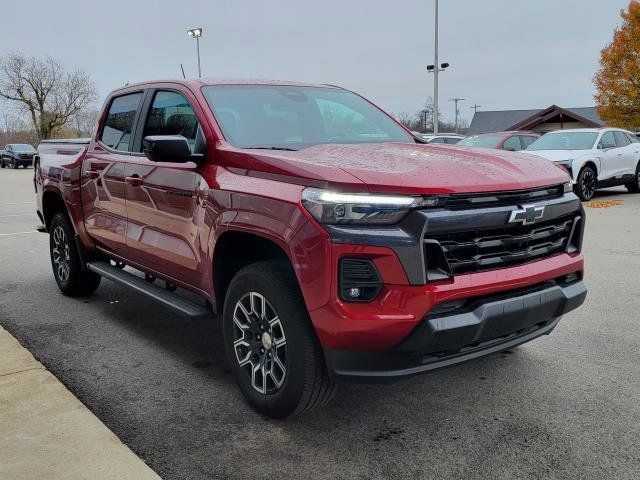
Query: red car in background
pixel 511 141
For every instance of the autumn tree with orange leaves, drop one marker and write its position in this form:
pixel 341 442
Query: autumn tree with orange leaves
pixel 618 80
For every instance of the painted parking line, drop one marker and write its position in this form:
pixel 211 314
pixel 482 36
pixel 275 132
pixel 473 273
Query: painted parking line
pixel 18 215
pixel 17 203
pixel 17 233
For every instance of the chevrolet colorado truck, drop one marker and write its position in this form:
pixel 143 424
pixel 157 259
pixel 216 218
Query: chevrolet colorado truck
pixel 331 243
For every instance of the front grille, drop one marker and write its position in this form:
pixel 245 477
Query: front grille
pixel 517 197
pixel 478 250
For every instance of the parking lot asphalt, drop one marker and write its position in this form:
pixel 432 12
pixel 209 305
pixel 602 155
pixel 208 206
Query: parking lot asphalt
pixel 566 406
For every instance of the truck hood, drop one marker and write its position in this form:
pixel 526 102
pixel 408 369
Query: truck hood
pixel 558 155
pixel 408 168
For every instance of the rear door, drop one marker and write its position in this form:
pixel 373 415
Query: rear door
pixel 609 166
pixel 627 156
pixel 164 200
pixel 103 190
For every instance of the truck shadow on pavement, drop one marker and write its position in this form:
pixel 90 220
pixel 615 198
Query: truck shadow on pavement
pixel 162 385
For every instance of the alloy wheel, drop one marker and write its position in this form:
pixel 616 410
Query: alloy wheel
pixel 259 343
pixel 588 184
pixel 61 254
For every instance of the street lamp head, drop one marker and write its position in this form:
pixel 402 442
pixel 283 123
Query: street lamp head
pixel 195 32
pixel 430 67
pixel 444 65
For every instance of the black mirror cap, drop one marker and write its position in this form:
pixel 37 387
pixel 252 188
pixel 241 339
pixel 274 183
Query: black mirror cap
pixel 166 148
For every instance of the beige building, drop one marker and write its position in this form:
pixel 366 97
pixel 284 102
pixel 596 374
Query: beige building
pixel 539 120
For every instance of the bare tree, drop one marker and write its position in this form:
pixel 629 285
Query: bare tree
pixel 50 95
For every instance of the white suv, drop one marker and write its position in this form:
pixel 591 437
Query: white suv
pixel 594 157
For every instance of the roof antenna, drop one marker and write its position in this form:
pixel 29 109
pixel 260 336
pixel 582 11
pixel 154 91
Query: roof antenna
pixel 183 75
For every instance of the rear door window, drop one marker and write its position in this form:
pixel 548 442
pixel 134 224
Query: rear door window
pixel 118 127
pixel 512 143
pixel 527 140
pixel 621 139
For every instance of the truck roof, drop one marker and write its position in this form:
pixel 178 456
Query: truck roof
pixel 197 83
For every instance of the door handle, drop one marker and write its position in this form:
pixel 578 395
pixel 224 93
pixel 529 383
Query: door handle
pixel 135 181
pixel 93 174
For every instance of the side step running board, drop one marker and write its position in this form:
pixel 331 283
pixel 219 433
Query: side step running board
pixel 164 297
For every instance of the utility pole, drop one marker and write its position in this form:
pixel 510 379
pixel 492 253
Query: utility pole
pixel 475 108
pixel 435 69
pixel 456 100
pixel 435 77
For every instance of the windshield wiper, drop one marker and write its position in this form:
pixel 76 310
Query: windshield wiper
pixel 286 149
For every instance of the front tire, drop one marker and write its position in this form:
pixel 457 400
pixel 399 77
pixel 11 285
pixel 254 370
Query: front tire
pixel 270 343
pixel 72 280
pixel 634 185
pixel 14 165
pixel 586 184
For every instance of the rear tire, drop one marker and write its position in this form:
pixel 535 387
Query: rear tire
pixel 270 343
pixel 1 163
pixel 66 262
pixel 586 184
pixel 14 165
pixel 634 185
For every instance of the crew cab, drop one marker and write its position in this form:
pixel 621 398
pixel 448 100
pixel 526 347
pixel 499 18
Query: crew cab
pixel 331 243
pixel 16 155
pixel 594 157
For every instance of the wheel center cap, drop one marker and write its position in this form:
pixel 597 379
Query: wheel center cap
pixel 267 342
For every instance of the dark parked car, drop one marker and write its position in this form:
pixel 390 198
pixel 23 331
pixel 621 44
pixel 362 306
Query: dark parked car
pixel 512 141
pixel 15 155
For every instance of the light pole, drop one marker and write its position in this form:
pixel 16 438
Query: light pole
pixel 435 69
pixel 197 33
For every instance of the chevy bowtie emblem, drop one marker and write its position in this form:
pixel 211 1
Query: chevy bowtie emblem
pixel 527 214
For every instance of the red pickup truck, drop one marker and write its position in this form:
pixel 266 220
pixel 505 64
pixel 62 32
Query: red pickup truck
pixel 333 244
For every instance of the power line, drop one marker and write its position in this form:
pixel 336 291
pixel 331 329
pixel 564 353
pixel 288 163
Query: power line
pixel 475 108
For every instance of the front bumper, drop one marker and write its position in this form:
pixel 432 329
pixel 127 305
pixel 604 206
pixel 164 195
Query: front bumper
pixel 485 326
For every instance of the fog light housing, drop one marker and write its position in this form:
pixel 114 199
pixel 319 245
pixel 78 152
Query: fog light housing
pixel 359 280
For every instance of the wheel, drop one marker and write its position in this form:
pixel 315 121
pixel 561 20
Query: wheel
pixel 634 185
pixel 65 260
pixel 14 165
pixel 585 187
pixel 1 163
pixel 270 343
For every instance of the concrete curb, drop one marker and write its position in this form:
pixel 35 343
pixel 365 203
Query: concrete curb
pixel 46 432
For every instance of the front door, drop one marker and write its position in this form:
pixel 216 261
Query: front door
pixel 103 172
pixel 164 206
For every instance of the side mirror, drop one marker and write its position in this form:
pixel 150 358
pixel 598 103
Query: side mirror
pixel 167 148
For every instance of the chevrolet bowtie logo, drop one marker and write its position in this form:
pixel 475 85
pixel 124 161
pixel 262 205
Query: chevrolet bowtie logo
pixel 527 214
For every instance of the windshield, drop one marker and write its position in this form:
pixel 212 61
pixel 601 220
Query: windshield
pixel 22 148
pixel 483 141
pixel 565 141
pixel 291 117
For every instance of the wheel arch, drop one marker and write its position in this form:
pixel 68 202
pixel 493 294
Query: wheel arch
pixel 234 250
pixel 52 203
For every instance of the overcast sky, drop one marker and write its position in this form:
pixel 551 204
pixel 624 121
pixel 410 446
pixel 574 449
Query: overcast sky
pixel 503 53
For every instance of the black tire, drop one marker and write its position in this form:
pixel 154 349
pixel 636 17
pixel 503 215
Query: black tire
pixel 1 163
pixel 586 185
pixel 634 185
pixel 65 260
pixel 304 383
pixel 14 165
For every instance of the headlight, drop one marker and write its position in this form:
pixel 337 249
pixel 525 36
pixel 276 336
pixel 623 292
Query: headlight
pixel 343 208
